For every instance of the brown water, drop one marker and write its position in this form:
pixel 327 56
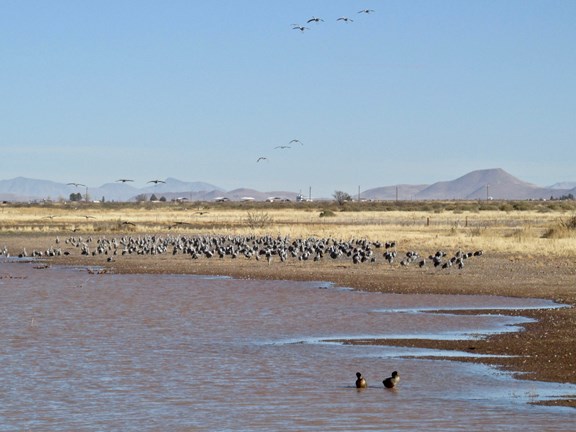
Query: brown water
pixel 82 352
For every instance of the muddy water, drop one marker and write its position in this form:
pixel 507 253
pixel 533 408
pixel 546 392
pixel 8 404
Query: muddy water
pixel 88 352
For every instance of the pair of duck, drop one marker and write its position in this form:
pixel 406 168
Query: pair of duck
pixel 389 382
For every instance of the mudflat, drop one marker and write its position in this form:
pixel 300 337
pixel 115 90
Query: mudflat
pixel 544 351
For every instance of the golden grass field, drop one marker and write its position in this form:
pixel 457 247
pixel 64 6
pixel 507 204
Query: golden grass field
pixel 527 231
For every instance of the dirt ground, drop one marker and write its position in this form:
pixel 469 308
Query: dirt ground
pixel 544 351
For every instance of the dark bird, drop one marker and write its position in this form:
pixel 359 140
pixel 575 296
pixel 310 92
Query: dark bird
pixel 314 19
pixel 366 11
pixel 282 147
pixel 261 158
pixel 124 180
pixel 345 19
pixel 360 381
pixel 299 27
pixel 391 381
pixel 76 184
pixel 156 181
pixel 296 141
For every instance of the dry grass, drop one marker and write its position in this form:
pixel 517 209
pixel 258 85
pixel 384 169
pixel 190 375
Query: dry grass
pixel 532 231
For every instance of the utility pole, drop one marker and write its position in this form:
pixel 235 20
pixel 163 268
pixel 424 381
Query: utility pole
pixel 358 193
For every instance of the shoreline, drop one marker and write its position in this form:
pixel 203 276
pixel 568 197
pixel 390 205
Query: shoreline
pixel 543 351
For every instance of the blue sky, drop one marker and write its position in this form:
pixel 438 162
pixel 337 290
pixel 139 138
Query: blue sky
pixel 415 92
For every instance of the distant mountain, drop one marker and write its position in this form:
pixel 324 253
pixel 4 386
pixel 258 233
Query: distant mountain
pixel 563 185
pixel 482 184
pixel 391 193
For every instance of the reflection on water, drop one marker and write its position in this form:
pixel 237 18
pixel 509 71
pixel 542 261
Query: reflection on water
pixel 95 352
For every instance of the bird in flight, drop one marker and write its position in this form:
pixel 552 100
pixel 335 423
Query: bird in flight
pixel 299 27
pixel 76 184
pixel 261 158
pixel 296 141
pixel 366 11
pixel 156 181
pixel 282 147
pixel 314 19
pixel 124 180
pixel 345 19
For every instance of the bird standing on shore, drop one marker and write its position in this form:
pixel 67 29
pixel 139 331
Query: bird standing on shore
pixel 360 381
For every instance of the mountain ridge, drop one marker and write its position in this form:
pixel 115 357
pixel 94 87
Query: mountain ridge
pixel 494 183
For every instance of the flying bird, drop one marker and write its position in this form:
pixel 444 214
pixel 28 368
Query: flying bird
pixel 314 19
pixel 345 19
pixel 261 158
pixel 76 184
pixel 296 141
pixel 299 27
pixel 124 180
pixel 366 11
pixel 156 181
pixel 282 147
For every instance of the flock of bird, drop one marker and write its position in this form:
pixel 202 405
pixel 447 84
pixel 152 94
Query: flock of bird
pixel 281 147
pixel 316 20
pixel 268 248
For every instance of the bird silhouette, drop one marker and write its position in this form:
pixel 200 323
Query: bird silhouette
pixel 124 180
pixel 299 27
pixel 76 184
pixel 261 158
pixel 296 141
pixel 156 181
pixel 366 11
pixel 282 147
pixel 345 19
pixel 314 19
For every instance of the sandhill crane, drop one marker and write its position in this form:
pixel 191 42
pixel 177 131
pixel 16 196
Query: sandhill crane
pixel 261 158
pixel 296 141
pixel 314 19
pixel 299 27
pixel 345 19
pixel 366 11
pixel 156 181
pixel 122 180
pixel 76 184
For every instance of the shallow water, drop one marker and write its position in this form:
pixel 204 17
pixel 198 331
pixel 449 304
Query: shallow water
pixel 91 352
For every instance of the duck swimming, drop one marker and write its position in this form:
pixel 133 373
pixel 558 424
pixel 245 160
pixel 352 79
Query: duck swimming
pixel 391 381
pixel 360 381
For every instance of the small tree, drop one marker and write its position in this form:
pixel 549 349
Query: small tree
pixel 153 198
pixel 140 198
pixel 75 197
pixel 341 197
